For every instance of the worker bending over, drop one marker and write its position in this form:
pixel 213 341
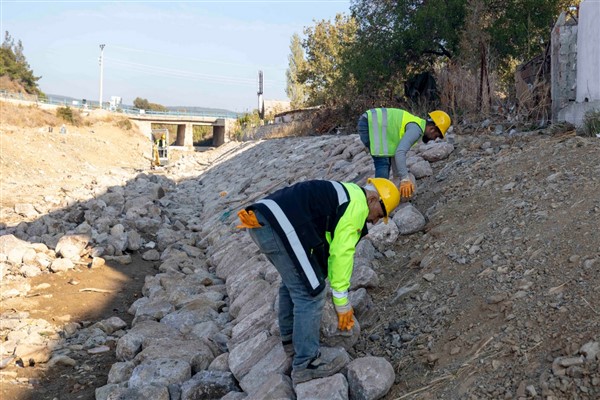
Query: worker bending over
pixel 391 132
pixel 309 232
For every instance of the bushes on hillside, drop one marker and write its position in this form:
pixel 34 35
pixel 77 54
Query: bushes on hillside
pixel 67 114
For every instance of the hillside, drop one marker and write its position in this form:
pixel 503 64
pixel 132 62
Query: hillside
pixel 496 296
pixel 38 161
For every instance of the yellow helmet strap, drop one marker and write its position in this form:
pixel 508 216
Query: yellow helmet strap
pixel 385 213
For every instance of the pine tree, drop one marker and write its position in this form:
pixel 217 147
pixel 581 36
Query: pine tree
pixel 295 88
pixel 14 65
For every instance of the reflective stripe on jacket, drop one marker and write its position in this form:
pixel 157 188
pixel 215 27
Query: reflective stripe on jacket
pixel 320 223
pixel 387 127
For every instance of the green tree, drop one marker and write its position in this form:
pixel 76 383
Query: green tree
pixel 142 104
pixel 395 39
pixel 520 29
pixel 297 63
pixel 14 65
pixel 325 46
pixel 398 38
pixel 157 107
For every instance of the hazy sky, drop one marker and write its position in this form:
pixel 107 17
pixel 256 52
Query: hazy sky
pixel 176 53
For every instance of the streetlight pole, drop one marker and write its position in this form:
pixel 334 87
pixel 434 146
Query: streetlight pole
pixel 101 72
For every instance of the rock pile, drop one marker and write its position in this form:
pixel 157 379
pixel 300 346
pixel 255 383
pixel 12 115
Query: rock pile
pixel 206 326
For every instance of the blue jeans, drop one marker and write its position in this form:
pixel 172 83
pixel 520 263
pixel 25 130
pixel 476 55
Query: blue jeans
pixel 382 164
pixel 299 312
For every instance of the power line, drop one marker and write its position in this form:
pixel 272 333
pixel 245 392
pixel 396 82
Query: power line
pixel 171 56
pixel 176 73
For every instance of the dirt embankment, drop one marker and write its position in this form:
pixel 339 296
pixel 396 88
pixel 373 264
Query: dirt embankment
pixel 37 160
pixel 496 298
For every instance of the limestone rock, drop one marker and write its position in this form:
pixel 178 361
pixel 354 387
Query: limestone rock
pixel 408 219
pixel 331 388
pixel 369 378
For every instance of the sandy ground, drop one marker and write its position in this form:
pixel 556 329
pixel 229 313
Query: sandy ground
pixel 37 163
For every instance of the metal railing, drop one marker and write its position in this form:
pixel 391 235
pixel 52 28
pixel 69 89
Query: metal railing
pixel 60 101
pixel 178 113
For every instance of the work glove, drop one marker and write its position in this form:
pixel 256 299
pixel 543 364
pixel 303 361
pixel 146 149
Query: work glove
pixel 407 188
pixel 345 317
pixel 247 219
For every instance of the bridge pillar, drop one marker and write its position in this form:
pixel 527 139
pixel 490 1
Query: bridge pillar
pixel 185 135
pixel 180 140
pixel 218 135
pixel 189 136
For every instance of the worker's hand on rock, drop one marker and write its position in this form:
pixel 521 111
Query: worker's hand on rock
pixel 345 317
pixel 407 188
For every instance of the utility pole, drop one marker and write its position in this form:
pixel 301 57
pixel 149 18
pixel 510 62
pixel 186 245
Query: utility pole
pixel 101 60
pixel 261 102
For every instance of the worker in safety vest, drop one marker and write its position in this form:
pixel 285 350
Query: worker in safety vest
pixel 161 144
pixel 309 232
pixel 391 132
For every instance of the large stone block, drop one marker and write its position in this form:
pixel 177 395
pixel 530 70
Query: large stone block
pixel 331 388
pixel 331 336
pixel 275 386
pixel 408 219
pixel 160 371
pixel 275 362
pixel 248 353
pixel 369 378
pixel 131 344
pixel 208 385
pixel 252 324
pixel 255 295
pixel 197 353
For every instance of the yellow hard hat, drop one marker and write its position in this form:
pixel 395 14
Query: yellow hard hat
pixel 441 120
pixel 389 194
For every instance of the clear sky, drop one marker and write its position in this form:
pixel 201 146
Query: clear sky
pixel 175 53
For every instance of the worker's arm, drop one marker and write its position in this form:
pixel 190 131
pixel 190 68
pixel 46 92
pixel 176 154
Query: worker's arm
pixel 412 134
pixel 342 248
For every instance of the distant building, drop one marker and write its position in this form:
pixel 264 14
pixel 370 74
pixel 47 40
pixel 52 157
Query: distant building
pixel 115 103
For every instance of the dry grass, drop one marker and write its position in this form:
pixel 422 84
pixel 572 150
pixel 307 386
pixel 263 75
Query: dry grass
pixel 297 128
pixel 26 116
pixel 119 120
pixel 275 131
pixel 533 100
pixel 32 116
pixel 10 86
pixel 458 88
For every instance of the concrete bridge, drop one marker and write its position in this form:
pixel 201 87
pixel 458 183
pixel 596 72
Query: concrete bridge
pixel 222 125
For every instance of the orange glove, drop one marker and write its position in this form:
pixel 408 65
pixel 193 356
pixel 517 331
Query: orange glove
pixel 407 188
pixel 345 317
pixel 247 219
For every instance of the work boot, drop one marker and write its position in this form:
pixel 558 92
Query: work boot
pixel 329 361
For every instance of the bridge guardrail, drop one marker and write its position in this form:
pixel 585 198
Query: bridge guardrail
pixel 125 110
pixel 137 111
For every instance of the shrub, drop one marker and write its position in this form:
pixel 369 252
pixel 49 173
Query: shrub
pixel 124 124
pixel 591 124
pixel 66 114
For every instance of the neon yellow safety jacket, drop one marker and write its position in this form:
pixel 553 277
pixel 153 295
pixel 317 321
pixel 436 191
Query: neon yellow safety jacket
pixel 320 223
pixel 387 127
